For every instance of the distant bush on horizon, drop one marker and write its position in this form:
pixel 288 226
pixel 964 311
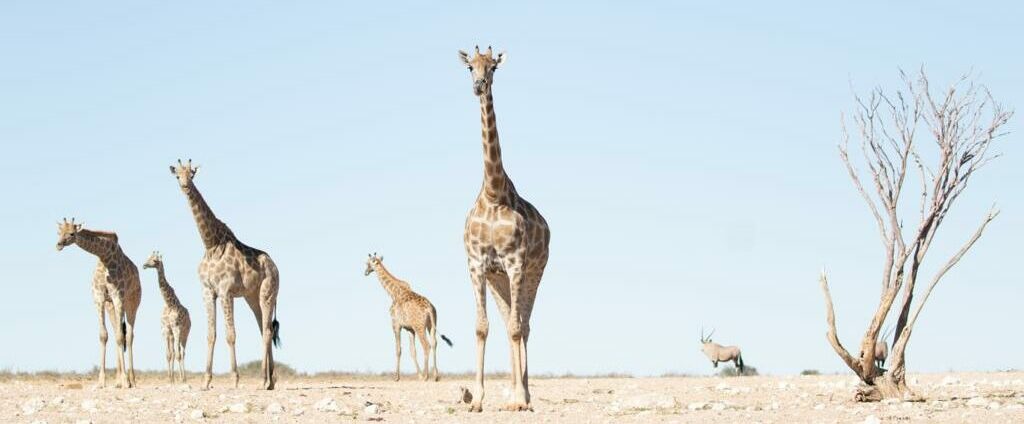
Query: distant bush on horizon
pixel 731 371
pixel 810 372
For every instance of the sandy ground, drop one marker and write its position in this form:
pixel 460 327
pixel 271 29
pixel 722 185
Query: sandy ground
pixel 951 397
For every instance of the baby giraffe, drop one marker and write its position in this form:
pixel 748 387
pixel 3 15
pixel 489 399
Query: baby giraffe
pixel 174 321
pixel 410 312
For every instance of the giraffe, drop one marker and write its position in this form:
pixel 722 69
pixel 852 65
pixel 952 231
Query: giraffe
pixel 116 291
pixel 410 312
pixel 506 242
pixel 174 321
pixel 231 269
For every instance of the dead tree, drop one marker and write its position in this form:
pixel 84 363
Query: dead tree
pixel 961 123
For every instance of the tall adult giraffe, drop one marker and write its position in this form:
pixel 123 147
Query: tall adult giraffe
pixel 116 290
pixel 231 269
pixel 506 240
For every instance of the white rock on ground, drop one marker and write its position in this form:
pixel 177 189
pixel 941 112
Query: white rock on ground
pixel 372 409
pixel 327 405
pixel 871 419
pixel 697 406
pixel 32 406
pixel 239 408
pixel 275 408
pixel 197 414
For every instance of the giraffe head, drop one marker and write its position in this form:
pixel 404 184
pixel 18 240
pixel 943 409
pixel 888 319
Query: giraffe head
pixel 66 232
pixel 184 173
pixel 156 260
pixel 481 68
pixel 372 262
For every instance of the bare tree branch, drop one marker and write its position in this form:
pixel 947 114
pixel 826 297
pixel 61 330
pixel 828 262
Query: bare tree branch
pixel 833 337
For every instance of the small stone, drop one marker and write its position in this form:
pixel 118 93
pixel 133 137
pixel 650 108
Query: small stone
pixel 465 396
pixel 697 406
pixel 275 408
pixel 32 406
pixel 994 405
pixel 372 409
pixel 239 408
pixel 950 381
pixel 327 405
pixel 871 419
pixel 717 406
pixel 197 414
pixel 819 407
pixel 298 412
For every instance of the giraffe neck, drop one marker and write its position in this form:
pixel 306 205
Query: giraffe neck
pixel 496 183
pixel 211 230
pixel 391 284
pixel 102 244
pixel 170 299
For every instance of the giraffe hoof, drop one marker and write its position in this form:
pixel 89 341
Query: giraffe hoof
pixel 476 407
pixel 517 407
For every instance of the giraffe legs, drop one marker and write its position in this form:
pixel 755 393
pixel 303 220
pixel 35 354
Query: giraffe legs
pixel 169 341
pixel 130 340
pixel 122 376
pixel 514 321
pixel 412 353
pixel 268 307
pixel 433 350
pixel 210 299
pixel 426 354
pixel 103 344
pixel 228 304
pixel 398 351
pixel 180 339
pixel 480 293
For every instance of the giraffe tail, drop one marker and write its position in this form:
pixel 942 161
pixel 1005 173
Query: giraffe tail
pixel 275 328
pixel 124 333
pixel 445 338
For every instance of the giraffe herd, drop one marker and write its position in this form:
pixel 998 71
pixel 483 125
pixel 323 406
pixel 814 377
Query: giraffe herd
pixel 505 237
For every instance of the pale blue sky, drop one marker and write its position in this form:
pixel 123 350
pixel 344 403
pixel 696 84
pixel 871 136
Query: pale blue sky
pixel 684 157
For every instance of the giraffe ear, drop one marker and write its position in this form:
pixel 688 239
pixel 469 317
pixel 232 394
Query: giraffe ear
pixel 173 172
pixel 195 170
pixel 464 57
pixel 502 57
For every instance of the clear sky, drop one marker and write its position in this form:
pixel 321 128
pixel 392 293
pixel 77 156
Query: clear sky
pixel 684 156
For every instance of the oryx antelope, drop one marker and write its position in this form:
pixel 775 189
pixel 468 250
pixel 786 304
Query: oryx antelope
pixel 718 353
pixel 881 350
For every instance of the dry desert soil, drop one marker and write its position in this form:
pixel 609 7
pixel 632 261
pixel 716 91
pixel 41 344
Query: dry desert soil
pixel 996 397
